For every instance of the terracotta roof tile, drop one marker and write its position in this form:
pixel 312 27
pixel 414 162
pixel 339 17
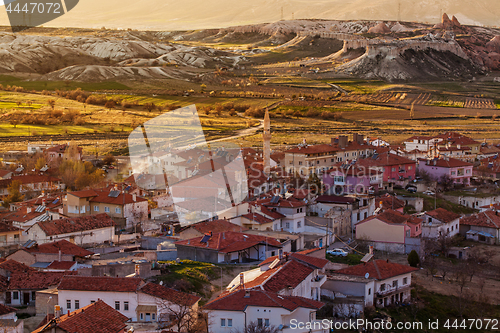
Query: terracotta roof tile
pixel 96 317
pixel 448 163
pixel 36 280
pixel 4 227
pixel 236 301
pixel 61 265
pixel 216 226
pixel 32 179
pixel 378 269
pixel 13 266
pixel 488 219
pixel 229 241
pixel 443 215
pixel 63 245
pixel 169 294
pixel 76 224
pixel 313 261
pixel 4 309
pixel 390 202
pixel 314 149
pixel 95 283
pixel 122 198
pixel 291 274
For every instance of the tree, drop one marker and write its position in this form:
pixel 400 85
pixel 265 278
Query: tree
pixel 40 163
pixel 413 259
pixel 14 122
pixel 14 193
pixel 180 315
pixel 109 159
pixel 51 103
pixel 446 181
pixel 203 87
pixel 150 106
pixel 72 152
pixel 109 105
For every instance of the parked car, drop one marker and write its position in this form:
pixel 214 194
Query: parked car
pixel 429 193
pixel 337 252
pixel 411 189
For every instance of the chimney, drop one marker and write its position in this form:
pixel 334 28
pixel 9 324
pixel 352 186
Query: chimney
pixel 380 204
pixel 371 249
pixel 28 210
pixel 491 206
pixel 134 197
pixel 137 270
pixel 280 254
pixel 342 141
pixel 60 255
pixel 247 293
pixel 242 280
pixel 57 311
pixel 69 312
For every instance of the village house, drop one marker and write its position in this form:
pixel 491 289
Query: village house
pixel 482 227
pixel 390 231
pixel 357 207
pixel 200 229
pixel 352 179
pixel 95 317
pixel 9 323
pixel 46 253
pixel 440 223
pixel 62 152
pixel 396 169
pixel 127 210
pixel 460 172
pixel 9 235
pixel 289 274
pixel 227 247
pixel 133 297
pixel 237 310
pixel 86 230
pixel 378 283
pixel 38 183
pixel 291 213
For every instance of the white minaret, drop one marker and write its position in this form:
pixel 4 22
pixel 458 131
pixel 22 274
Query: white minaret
pixel 266 136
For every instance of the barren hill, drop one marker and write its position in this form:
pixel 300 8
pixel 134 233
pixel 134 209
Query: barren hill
pixel 197 14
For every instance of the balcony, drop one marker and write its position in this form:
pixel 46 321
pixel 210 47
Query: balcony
pixel 392 290
pixel 318 281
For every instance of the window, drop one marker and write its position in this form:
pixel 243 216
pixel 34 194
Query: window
pixel 125 306
pixel 259 322
pixel 33 295
pixel 77 304
pixel 153 316
pixel 229 323
pixel 96 208
pixel 266 322
pixel 298 224
pixel 405 281
pixel 106 209
pixel 358 216
pixel 117 305
pixel 223 322
pixel 369 291
pixel 3 238
pixel 118 210
pixel 382 287
pixel 366 215
pixel 16 237
pixel 287 225
pixel 395 283
pixel 142 316
pixel 393 169
pixel 68 304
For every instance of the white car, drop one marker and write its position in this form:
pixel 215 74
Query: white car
pixel 429 192
pixel 337 252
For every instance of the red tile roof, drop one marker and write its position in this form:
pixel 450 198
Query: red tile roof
pixel 84 193
pixel 76 224
pixel 229 241
pixel 4 309
pixel 21 215
pixel 36 280
pixel 488 219
pixel 447 163
pixel 4 173
pixel 313 261
pixel 378 269
pixel 290 275
pixel 93 318
pixel 63 245
pixel 32 179
pixel 286 203
pixel 13 266
pixel 169 294
pixel 443 215
pixel 61 265
pixel 390 202
pixel 216 226
pixel 4 227
pixel 236 301
pixel 393 217
pixel 122 198
pixel 384 159
pixel 95 283
pixel 256 217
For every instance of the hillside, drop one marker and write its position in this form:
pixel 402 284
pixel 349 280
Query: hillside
pixel 197 14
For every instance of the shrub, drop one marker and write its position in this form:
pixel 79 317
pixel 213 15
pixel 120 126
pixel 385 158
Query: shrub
pixel 413 259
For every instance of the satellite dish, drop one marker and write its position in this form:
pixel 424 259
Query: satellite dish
pixel 367 275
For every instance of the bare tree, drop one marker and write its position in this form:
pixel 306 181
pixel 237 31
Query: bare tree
pixel 181 315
